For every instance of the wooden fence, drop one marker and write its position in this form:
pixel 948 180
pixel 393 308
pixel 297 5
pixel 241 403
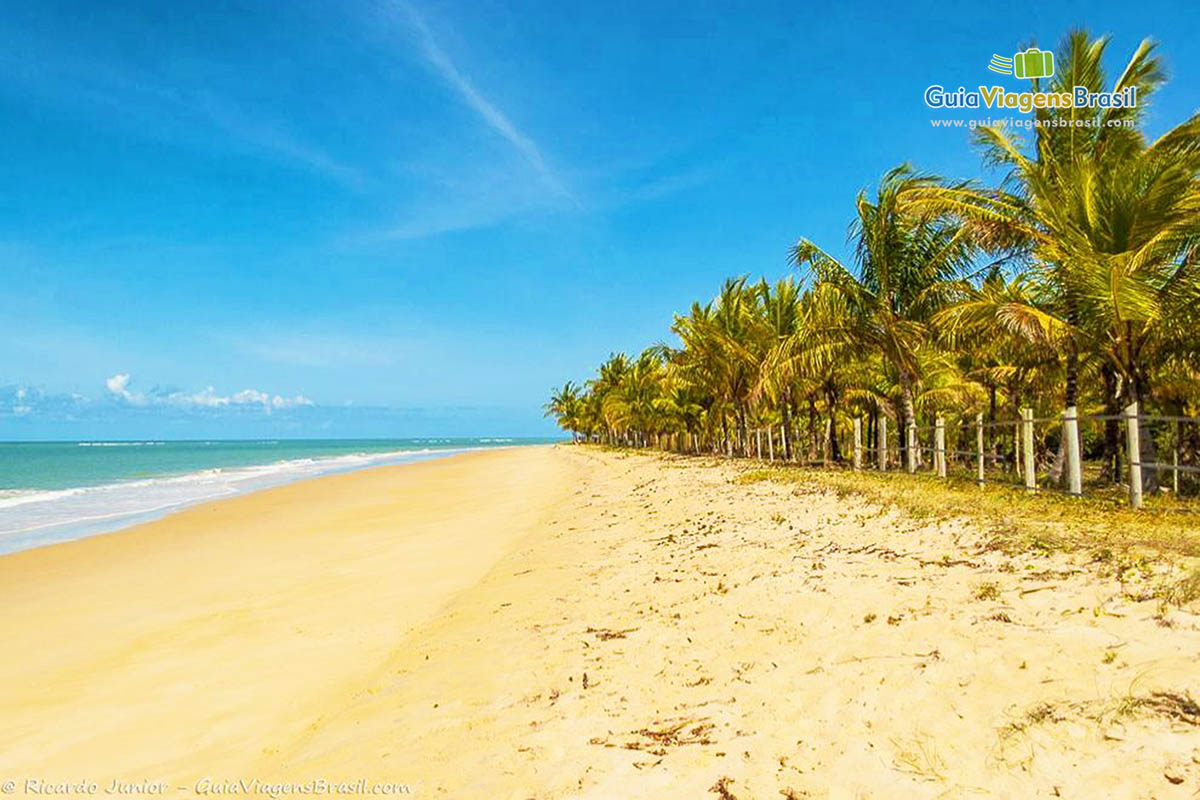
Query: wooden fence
pixel 925 448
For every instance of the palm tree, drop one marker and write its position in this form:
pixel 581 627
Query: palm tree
pixel 1134 258
pixel 1095 234
pixel 566 406
pixel 603 386
pixel 1037 212
pixel 904 263
pixel 815 358
pixel 719 353
pixel 1004 341
pixel 1110 222
pixel 680 404
pixel 779 310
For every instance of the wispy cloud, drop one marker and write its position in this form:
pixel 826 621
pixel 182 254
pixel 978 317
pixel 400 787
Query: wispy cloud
pixel 179 108
pixel 28 401
pixel 323 350
pixel 271 137
pixel 492 115
pixel 461 197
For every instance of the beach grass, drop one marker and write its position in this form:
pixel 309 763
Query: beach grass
pixel 1102 525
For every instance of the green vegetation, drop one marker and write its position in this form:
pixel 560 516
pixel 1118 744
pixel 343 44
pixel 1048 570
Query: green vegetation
pixel 1075 282
pixel 1100 526
pixel 987 590
pixel 1182 592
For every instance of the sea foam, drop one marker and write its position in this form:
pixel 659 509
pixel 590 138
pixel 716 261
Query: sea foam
pixel 32 518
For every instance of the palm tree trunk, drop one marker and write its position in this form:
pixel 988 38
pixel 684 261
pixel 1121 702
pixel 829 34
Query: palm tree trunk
pixel 995 444
pixel 835 451
pixel 787 424
pixel 872 423
pixel 1018 462
pixel 1111 471
pixel 814 442
pixel 1190 450
pixel 1072 391
pixel 743 433
pixel 910 412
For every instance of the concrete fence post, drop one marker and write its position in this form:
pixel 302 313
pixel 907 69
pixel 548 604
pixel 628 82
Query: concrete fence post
pixel 883 454
pixel 939 447
pixel 1070 432
pixel 758 443
pixel 1027 450
pixel 1175 457
pixel 979 448
pixel 1133 445
pixel 912 446
pixel 770 444
pixel 857 443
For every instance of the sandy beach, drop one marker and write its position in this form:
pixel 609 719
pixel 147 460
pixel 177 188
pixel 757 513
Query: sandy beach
pixel 554 622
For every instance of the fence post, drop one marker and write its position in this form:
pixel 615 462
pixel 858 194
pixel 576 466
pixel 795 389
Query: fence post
pixel 857 443
pixel 939 445
pixel 1070 432
pixel 1133 445
pixel 979 448
pixel 1027 448
pixel 1175 457
pixel 882 454
pixel 770 444
pixel 758 443
pixel 912 446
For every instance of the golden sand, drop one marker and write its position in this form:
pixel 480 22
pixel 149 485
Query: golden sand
pixel 565 622
pixel 199 644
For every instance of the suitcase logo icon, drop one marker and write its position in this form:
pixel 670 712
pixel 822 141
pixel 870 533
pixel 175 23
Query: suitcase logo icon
pixel 1032 63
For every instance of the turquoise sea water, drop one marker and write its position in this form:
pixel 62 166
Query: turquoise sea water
pixel 55 491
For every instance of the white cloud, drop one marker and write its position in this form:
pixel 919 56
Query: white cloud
pixel 290 402
pixel 251 396
pixel 255 397
pixel 208 398
pixel 118 386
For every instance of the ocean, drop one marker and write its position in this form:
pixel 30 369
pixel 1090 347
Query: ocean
pixel 56 491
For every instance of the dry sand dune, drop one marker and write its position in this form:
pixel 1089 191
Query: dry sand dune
pixel 570 622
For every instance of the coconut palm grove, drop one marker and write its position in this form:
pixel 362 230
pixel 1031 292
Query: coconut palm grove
pixel 1071 288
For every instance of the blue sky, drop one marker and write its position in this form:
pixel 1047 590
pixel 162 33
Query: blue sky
pixel 388 218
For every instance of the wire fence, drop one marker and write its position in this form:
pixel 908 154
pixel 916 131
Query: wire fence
pixel 1069 453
